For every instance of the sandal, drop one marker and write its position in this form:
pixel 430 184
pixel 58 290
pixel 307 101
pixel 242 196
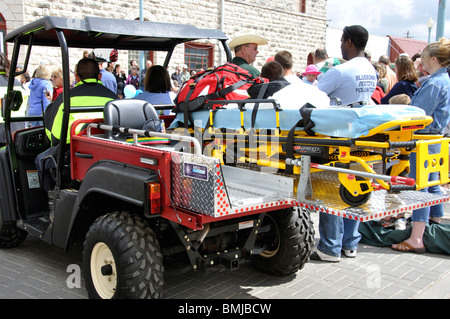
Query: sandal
pixel 405 247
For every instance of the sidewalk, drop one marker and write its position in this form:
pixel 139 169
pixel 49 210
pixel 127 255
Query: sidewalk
pixel 376 273
pixel 35 270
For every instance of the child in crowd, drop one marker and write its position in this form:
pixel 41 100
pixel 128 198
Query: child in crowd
pixel 310 75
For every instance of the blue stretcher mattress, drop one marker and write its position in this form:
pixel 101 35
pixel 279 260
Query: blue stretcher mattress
pixel 333 121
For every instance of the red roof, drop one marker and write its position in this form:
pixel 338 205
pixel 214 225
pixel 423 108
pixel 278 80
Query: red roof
pixel 405 45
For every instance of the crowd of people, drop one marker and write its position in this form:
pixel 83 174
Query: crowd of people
pixel 422 81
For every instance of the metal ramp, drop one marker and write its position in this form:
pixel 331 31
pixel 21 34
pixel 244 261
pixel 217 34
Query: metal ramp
pixel 381 204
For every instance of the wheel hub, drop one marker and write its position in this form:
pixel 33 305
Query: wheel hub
pixel 271 238
pixel 103 271
pixel 107 270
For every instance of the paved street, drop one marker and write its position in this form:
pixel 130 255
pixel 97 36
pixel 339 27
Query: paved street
pixel 37 271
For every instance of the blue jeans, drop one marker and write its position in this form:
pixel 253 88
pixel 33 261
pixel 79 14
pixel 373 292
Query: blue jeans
pixel 337 233
pixel 423 214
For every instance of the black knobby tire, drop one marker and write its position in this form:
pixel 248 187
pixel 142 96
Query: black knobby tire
pixel 10 235
pixel 289 242
pixel 127 243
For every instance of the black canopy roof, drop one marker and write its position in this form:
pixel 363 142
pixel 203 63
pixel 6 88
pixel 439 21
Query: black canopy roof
pixel 95 32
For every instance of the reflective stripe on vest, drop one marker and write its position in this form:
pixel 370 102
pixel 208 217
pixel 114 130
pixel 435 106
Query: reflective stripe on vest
pixel 87 98
pixel 76 102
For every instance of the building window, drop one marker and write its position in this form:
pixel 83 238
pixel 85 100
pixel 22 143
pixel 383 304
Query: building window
pixel 302 6
pixel 198 56
pixel 2 34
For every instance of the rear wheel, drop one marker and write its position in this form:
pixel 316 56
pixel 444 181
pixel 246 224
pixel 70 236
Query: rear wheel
pixel 122 259
pixel 288 239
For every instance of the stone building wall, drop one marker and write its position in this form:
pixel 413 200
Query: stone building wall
pixel 281 22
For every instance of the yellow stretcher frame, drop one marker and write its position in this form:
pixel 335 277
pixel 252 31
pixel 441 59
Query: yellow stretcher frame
pixel 427 163
pixel 399 136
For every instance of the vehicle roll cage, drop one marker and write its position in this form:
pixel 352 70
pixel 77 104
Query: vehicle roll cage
pixel 94 32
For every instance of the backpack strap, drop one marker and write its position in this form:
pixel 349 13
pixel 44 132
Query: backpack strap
pixel 228 89
pixel 185 107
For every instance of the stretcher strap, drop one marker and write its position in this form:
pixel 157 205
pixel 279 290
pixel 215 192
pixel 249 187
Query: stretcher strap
pixel 307 124
pixel 256 106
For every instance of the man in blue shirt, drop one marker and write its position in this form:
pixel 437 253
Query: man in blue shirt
pixel 108 79
pixel 352 81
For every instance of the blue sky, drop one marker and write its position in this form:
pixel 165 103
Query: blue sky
pixel 387 17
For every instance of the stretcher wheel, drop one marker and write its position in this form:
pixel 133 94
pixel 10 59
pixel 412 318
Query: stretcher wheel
pixel 351 200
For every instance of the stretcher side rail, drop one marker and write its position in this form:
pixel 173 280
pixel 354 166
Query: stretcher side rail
pixel 214 105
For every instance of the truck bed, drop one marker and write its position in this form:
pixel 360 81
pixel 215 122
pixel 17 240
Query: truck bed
pixel 198 184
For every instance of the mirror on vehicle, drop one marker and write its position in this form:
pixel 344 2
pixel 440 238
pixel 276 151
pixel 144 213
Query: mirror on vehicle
pixel 14 100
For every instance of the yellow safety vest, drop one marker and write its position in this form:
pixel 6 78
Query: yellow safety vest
pixel 89 92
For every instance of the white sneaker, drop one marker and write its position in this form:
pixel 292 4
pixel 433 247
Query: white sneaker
pixel 318 255
pixel 349 253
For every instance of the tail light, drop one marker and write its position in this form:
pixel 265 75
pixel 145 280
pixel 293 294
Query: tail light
pixel 154 195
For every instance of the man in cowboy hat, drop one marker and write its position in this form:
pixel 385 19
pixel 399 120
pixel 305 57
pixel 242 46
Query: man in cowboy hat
pixel 246 49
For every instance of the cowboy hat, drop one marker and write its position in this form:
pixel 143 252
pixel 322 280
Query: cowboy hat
pixel 247 38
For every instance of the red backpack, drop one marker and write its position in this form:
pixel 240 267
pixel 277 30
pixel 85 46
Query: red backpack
pixel 225 82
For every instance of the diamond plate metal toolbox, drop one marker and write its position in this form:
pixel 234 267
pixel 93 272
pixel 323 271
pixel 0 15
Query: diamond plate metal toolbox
pixel 193 179
pixel 201 184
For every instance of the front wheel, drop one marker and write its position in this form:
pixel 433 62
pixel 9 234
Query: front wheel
pixel 122 259
pixel 288 241
pixel 10 235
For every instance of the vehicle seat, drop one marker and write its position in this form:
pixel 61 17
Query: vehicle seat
pixel 129 113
